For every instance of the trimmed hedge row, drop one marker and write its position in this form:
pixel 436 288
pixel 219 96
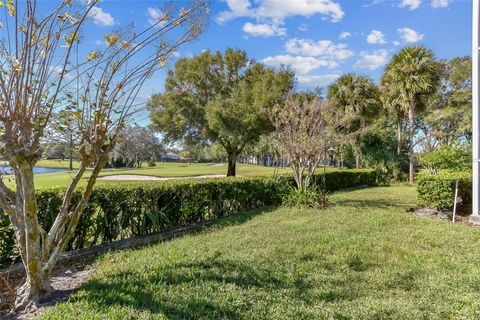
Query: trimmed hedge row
pixel 117 212
pixel 437 191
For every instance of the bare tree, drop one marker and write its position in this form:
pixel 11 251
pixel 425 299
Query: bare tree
pixel 302 135
pixel 37 66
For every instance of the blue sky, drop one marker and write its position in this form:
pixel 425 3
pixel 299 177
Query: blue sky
pixel 319 39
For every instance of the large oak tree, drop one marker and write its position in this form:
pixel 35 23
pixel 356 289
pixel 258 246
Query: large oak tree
pixel 219 98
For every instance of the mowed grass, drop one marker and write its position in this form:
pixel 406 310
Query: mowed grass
pixel 364 258
pixel 162 169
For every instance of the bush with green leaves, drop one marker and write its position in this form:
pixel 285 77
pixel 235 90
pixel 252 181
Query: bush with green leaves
pixel 151 163
pixel 437 191
pixel 448 157
pixel 117 212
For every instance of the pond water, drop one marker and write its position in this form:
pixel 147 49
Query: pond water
pixel 6 169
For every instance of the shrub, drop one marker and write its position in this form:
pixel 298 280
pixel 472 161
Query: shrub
pixel 312 198
pixel 448 157
pixel 117 212
pixel 151 163
pixel 437 191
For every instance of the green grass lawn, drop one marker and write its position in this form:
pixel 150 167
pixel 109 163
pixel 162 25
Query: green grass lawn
pixel 163 169
pixel 53 163
pixel 364 258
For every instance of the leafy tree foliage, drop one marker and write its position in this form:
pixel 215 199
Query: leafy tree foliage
pixel 215 98
pixel 134 146
pixel 449 116
pixel 455 157
pixel 354 103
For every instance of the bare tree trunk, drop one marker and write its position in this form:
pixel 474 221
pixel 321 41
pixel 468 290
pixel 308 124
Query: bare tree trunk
pixel 37 285
pixel 411 132
pixel 399 135
pixel 39 250
pixel 232 161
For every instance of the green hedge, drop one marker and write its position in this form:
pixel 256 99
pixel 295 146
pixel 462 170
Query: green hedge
pixel 437 191
pixel 117 212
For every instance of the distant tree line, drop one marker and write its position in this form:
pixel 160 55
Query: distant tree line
pixel 219 106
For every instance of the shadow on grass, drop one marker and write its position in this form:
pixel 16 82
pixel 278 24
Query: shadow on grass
pixel 373 203
pixel 216 287
pixel 191 290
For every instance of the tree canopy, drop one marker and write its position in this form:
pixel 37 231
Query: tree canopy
pixel 220 98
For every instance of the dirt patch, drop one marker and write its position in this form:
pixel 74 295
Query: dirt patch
pixel 137 177
pixel 65 280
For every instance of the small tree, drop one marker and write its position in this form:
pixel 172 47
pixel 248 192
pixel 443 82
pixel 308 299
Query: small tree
pixel 302 135
pixel 38 67
pixel 61 137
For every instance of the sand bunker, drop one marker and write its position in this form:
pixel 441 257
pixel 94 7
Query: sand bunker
pixel 137 177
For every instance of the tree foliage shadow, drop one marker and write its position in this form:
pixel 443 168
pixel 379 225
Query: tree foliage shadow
pixel 373 203
pixel 186 284
pixel 192 288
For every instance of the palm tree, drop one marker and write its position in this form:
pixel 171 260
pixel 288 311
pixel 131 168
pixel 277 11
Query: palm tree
pixel 354 104
pixel 392 102
pixel 412 74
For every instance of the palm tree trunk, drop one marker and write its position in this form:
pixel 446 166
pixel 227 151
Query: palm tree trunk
pixel 399 135
pixel 358 155
pixel 411 131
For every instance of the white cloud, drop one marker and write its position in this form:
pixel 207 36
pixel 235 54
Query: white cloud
pixel 238 8
pixel 323 48
pixel 303 27
pixel 155 15
pixel 263 30
pixel 396 43
pixel 410 35
pixel 301 65
pixel 101 18
pixel 58 70
pixel 439 3
pixel 376 37
pixel 412 4
pixel 373 60
pixel 317 80
pixel 278 10
pixel 99 42
pixel 344 35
